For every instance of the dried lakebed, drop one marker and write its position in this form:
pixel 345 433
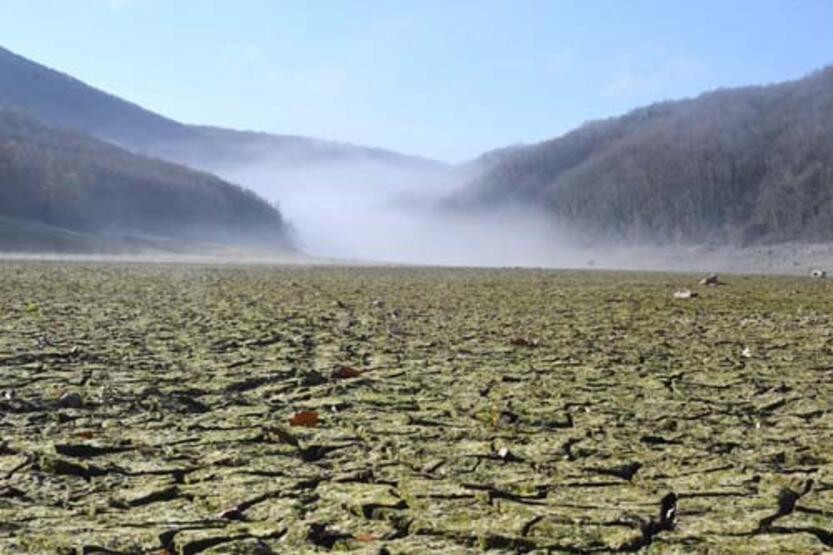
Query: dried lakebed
pixel 195 409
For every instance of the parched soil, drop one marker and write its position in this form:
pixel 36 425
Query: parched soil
pixel 194 409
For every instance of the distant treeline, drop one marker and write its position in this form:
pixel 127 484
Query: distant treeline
pixel 744 165
pixel 66 179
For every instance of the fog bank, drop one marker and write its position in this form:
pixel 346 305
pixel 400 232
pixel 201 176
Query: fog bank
pixel 369 211
pixel 373 211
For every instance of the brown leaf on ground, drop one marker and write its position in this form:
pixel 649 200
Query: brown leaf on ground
pixel 307 419
pixel 346 372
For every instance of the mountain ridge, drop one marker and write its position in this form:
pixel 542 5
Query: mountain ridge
pixel 66 101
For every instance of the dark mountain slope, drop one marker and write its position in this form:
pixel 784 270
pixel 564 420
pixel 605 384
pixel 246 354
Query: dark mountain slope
pixel 70 181
pixel 741 165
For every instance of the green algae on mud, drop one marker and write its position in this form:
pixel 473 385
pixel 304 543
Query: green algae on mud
pixel 513 410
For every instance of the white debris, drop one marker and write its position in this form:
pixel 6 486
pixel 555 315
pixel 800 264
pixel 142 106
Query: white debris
pixel 685 294
pixel 746 352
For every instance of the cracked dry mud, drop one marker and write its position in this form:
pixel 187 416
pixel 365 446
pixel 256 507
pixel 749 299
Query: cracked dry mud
pixel 147 408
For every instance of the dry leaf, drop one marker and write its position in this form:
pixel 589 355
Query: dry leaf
pixel 346 372
pixel 366 538
pixel 523 342
pixel 305 418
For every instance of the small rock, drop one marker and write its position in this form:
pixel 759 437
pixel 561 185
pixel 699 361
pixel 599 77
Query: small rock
pixel 70 401
pixel 711 279
pixel 312 378
pixel 668 512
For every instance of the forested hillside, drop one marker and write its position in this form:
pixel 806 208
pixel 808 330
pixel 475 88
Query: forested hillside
pixel 74 182
pixel 743 165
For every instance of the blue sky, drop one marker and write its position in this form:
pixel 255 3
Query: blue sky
pixel 441 78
